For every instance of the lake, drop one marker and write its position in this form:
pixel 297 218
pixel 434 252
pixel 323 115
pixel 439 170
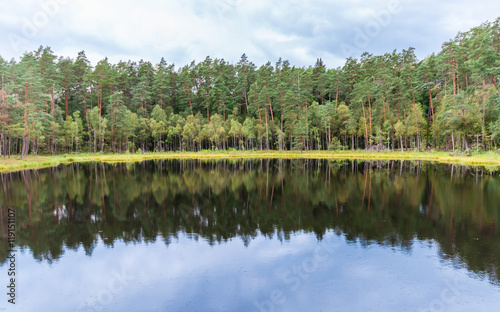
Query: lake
pixel 255 235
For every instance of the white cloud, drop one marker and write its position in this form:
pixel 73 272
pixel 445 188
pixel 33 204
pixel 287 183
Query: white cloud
pixel 182 31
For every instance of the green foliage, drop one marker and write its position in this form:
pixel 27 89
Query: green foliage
pixel 212 104
pixel 335 144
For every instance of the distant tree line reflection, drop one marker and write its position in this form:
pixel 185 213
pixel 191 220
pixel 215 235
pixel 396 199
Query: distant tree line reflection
pixel 375 202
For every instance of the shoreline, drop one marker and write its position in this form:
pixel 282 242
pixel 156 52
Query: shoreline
pixel 38 162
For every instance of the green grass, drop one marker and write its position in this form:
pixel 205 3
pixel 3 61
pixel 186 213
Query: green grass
pixel 35 162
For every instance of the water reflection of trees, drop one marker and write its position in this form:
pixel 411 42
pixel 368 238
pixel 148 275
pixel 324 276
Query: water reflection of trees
pixel 389 203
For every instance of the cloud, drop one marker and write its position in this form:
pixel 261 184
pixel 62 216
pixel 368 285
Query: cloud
pixel 189 275
pixel 181 31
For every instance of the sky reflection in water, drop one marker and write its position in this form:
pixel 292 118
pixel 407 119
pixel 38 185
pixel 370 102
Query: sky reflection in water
pixel 190 275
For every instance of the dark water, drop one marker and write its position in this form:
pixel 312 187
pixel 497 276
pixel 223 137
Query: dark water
pixel 253 236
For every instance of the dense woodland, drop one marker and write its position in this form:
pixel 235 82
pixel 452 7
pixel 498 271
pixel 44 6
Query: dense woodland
pixel 448 101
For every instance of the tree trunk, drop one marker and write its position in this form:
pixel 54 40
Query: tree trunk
pixel 370 113
pixel 66 99
pixel 267 134
pixel 330 134
pixel 392 137
pixel 411 87
pixel 366 129
pixel 428 121
pixel 484 115
pixel 307 129
pixel 26 130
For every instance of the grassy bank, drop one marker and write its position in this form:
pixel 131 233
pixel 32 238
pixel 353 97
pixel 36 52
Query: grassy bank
pixel 35 162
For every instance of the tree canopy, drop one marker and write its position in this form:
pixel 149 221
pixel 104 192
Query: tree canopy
pixel 449 100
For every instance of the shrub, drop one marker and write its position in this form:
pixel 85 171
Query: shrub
pixel 335 144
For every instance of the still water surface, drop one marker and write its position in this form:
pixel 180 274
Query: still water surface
pixel 254 236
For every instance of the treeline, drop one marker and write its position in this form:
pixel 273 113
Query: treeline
pixel 448 101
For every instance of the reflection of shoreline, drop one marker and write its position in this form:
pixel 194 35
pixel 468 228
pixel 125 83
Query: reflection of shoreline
pixel 385 203
pixel 492 161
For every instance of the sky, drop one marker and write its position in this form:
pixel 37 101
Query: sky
pixel 182 31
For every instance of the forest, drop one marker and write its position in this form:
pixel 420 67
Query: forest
pixel 448 101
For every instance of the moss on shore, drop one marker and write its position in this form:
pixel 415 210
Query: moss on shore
pixel 35 162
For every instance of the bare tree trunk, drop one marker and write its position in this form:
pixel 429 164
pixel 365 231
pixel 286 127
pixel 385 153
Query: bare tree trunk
pixel 23 147
pixel 366 129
